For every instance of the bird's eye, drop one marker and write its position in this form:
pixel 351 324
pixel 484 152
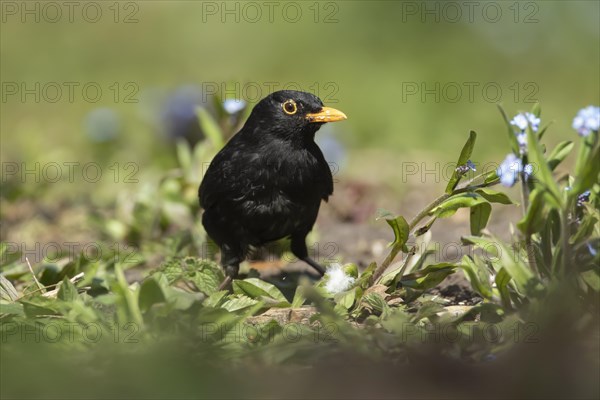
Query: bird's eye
pixel 289 107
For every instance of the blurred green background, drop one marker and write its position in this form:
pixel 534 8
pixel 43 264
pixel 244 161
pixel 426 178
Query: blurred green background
pixel 359 56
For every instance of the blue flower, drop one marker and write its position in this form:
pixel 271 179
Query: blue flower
pixel 511 168
pixel 521 121
pixel 587 120
pixel 522 140
pixel 466 167
pixel 233 106
pixel 583 198
pixel 179 113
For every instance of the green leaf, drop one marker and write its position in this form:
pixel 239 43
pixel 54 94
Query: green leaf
pixel 428 277
pixel 150 293
pixel 512 138
pixel 40 306
pixel 465 154
pixel 543 177
pixel 128 309
pixel 11 308
pixel 7 290
pixel 67 291
pixel 399 226
pixel 208 278
pixel 346 299
pixel 375 303
pixel 543 130
pixel 534 218
pixel 215 299
pixel 428 310
pixel 351 269
pixel 256 289
pixel 502 280
pixel 494 196
pixel 181 300
pixel 365 277
pixel 586 228
pixel 451 205
pixel 536 109
pixel 184 154
pixel 238 302
pixel 210 128
pixel 560 152
pixel 520 273
pixel 491 178
pixel 299 298
pixel 480 215
pixel 588 165
pixel 7 257
pixel 204 274
pixel 592 278
pixel 478 275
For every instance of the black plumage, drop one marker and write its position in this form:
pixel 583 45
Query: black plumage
pixel 268 181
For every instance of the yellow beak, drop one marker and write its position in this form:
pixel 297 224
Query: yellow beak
pixel 327 114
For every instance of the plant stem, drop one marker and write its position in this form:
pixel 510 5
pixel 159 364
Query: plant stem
pixel 422 214
pixel 528 242
pixel 566 253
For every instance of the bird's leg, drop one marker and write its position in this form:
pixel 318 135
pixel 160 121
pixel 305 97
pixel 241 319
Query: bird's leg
pixel 299 249
pixel 230 259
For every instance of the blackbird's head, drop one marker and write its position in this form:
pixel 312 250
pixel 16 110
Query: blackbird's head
pixel 291 115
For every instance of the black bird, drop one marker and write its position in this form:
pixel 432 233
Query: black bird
pixel 268 181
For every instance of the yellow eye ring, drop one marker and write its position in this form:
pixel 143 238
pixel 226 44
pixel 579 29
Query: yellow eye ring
pixel 289 107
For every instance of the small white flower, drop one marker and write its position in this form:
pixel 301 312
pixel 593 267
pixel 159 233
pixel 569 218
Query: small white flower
pixel 522 139
pixel 533 121
pixel 587 120
pixel 521 121
pixel 337 280
pixel 509 170
pixel 233 106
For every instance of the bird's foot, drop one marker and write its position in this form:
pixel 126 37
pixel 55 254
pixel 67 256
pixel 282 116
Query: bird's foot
pixel 231 272
pixel 320 269
pixel 226 284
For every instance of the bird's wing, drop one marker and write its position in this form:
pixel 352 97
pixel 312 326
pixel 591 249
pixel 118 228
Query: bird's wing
pixel 229 176
pixel 324 176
